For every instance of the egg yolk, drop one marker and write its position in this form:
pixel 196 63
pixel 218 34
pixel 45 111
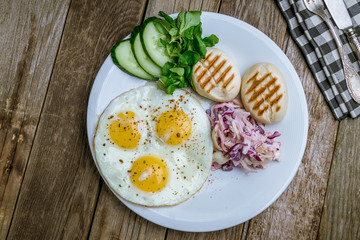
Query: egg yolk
pixel 124 131
pixel 173 127
pixel 149 174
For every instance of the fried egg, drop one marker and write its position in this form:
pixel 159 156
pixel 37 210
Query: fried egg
pixel 154 149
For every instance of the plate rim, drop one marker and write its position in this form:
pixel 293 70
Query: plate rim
pixel 105 69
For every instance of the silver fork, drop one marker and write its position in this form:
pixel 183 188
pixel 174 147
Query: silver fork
pixel 351 76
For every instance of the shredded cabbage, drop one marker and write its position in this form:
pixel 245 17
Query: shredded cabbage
pixel 242 141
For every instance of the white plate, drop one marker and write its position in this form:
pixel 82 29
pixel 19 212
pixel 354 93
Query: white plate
pixel 227 198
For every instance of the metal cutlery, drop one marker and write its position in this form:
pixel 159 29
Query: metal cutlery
pixel 351 76
pixel 340 14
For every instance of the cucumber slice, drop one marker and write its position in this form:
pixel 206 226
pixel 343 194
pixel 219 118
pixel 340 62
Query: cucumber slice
pixel 142 58
pixel 150 36
pixel 124 58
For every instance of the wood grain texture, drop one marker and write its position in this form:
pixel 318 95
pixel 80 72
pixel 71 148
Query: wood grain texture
pixel 296 214
pixel 61 185
pixel 173 6
pixel 205 5
pixel 263 15
pixel 29 40
pixel 230 233
pixel 113 220
pixel 340 219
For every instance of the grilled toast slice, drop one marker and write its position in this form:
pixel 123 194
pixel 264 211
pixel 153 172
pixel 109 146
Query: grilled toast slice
pixel 216 77
pixel 264 93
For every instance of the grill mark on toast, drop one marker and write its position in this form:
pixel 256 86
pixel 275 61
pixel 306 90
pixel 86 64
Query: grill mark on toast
pixel 210 88
pixel 258 104
pixel 272 93
pixel 212 62
pixel 228 81
pixel 276 100
pixel 271 82
pixel 256 82
pixel 261 112
pixel 207 68
pixel 262 89
pixel 256 94
pixel 198 67
pixel 198 79
pixel 208 56
pixel 207 64
pixel 267 100
pixel 216 70
pixel 223 74
pixel 204 83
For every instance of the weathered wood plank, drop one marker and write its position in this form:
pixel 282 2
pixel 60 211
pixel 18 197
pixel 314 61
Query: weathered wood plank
pixel 205 5
pixel 177 6
pixel 263 15
pixel 172 6
pixel 296 214
pixel 29 40
pixel 113 220
pixel 340 219
pixel 230 233
pixel 61 185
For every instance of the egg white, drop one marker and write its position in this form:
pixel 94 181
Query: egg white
pixel 188 164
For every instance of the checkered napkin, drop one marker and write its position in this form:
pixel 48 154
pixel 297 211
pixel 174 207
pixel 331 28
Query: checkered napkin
pixel 319 48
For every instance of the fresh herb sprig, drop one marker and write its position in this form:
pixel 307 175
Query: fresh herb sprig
pixel 184 44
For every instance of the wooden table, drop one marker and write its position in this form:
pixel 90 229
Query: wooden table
pixel 50 187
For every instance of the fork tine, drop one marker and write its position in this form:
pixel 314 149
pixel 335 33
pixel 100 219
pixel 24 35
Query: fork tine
pixel 317 7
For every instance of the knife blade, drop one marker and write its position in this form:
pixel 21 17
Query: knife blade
pixel 341 17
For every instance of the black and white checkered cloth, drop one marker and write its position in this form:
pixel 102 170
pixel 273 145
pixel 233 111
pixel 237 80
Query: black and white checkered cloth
pixel 319 48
